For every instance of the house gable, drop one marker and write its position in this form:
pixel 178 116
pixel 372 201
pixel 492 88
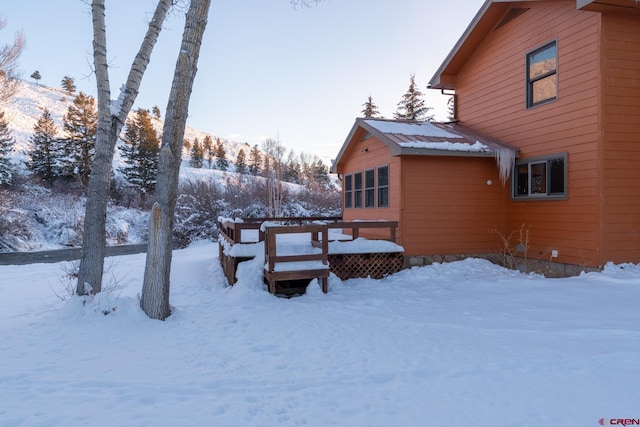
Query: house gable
pixel 496 13
pixel 592 121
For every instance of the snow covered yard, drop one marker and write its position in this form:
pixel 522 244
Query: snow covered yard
pixel 465 343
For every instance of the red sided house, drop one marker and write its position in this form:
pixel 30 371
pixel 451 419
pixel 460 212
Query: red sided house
pixel 551 90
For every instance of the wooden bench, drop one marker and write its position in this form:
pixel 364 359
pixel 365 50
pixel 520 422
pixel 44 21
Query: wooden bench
pixel 306 261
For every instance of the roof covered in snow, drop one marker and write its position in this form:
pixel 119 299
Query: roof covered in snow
pixel 427 138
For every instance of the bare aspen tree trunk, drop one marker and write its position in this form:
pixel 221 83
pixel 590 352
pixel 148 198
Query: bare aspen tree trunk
pixel 111 117
pixel 155 290
pixel 274 174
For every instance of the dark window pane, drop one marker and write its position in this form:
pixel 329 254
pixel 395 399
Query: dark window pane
pixel 369 201
pixel 348 183
pixel 556 176
pixel 357 199
pixel 383 197
pixel 348 191
pixel 369 184
pixel 369 179
pixel 383 176
pixel 522 180
pixel 357 181
pixel 539 178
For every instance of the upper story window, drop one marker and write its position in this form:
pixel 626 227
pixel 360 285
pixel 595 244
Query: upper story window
pixel 542 75
pixel 542 177
pixel 348 191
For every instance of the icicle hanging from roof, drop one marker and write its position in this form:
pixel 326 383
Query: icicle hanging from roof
pixel 505 158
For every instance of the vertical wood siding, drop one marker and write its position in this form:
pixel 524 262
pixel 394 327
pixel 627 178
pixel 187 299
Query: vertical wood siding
pixel 492 99
pixel 621 152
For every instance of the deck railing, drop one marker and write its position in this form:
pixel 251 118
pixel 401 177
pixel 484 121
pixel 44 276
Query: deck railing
pixel 313 263
pixel 233 231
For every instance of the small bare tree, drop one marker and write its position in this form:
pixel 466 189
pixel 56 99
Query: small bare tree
pixel 274 155
pixel 9 55
pixel 155 290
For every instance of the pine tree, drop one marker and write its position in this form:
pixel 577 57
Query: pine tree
pixel 140 152
pixel 222 163
pixel 197 154
pixel 156 112
pixel 44 155
pixel 36 76
pixel 370 109
pixel 321 177
pixel 80 125
pixel 68 84
pixel 255 160
pixel 241 162
pixel 451 109
pixel 293 169
pixel 412 106
pixel 207 148
pixel 6 147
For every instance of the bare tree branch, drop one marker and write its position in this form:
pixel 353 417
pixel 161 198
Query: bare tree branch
pixel 9 55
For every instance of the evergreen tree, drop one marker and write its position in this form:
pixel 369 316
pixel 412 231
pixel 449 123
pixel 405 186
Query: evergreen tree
pixel 412 106
pixel 241 162
pixel 207 148
pixel 44 155
pixel 187 145
pixel 140 152
pixel 36 76
pixel 6 147
pixel 293 169
pixel 197 154
pixel 156 112
pixel 451 109
pixel 68 84
pixel 321 177
pixel 80 125
pixel 370 109
pixel 255 160
pixel 222 163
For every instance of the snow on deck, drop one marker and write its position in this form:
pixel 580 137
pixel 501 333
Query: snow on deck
pixel 289 243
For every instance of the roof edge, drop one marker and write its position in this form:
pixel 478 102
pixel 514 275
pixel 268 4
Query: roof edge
pixel 435 82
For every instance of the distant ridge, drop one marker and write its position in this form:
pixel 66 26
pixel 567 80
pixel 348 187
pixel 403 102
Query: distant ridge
pixel 23 110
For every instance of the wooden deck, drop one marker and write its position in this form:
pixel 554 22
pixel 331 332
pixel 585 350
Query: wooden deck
pixel 297 250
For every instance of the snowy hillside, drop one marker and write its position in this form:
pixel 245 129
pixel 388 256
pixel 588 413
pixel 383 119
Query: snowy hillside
pixel 37 217
pixel 23 110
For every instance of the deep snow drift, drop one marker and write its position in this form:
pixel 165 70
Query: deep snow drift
pixel 465 343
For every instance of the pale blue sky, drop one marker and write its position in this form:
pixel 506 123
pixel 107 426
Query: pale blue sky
pixel 265 70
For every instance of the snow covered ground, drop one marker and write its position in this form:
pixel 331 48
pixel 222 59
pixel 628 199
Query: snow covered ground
pixel 460 344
